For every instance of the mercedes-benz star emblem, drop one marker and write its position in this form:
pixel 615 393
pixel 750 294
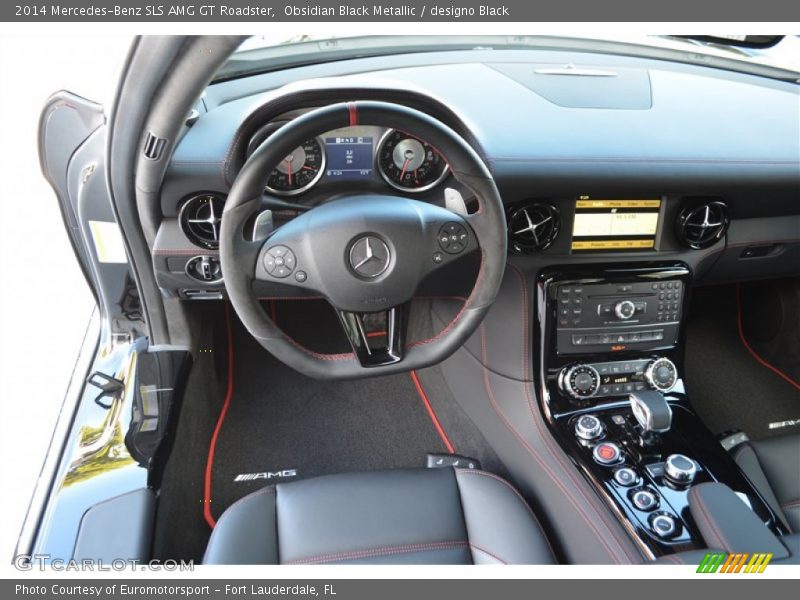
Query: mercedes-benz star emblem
pixel 369 256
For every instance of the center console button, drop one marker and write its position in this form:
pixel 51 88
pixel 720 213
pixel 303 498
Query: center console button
pixel 588 427
pixel 624 309
pixel 644 500
pixel 680 469
pixel 607 453
pixel 626 476
pixel 663 525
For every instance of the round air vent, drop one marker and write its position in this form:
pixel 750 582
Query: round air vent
pixel 702 225
pixel 533 227
pixel 200 218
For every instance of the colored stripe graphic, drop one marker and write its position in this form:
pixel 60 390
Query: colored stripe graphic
pixel 721 562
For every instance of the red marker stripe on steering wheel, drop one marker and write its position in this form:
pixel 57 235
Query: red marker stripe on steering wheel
pixel 353 112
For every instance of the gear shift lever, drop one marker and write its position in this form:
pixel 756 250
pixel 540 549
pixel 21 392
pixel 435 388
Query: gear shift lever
pixel 652 411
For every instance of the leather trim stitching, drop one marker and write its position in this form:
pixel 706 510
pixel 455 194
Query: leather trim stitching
pixel 383 551
pixel 553 448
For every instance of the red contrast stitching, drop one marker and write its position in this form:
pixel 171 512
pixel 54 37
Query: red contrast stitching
pixel 267 490
pixel 225 405
pixel 467 303
pixel 749 348
pixel 700 503
pixel 555 451
pixel 515 491
pixel 384 551
pixel 431 413
pixel 487 553
pixel 490 392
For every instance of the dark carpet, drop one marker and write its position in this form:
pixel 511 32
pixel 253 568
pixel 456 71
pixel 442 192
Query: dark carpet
pixel 728 388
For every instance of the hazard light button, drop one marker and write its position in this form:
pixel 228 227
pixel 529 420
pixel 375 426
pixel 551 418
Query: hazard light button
pixel 607 453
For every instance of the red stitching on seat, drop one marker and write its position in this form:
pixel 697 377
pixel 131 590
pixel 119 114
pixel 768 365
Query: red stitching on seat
pixel 515 491
pixel 487 553
pixel 382 551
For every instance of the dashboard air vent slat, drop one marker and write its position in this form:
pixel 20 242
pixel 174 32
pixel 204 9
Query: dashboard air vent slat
pixel 702 224
pixel 200 219
pixel 533 227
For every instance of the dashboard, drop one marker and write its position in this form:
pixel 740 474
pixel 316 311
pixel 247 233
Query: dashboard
pixel 659 161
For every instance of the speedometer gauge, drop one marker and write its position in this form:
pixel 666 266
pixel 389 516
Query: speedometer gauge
pixel 299 170
pixel 410 164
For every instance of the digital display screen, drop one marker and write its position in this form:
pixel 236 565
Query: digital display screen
pixel 612 379
pixel 603 225
pixel 349 157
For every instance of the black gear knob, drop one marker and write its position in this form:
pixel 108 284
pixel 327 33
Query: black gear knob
pixel 652 411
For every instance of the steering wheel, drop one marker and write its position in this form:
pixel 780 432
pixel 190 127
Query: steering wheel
pixel 366 253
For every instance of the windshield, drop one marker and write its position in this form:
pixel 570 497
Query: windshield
pixel 275 51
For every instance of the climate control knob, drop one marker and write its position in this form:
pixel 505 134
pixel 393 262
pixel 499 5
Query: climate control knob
pixel 580 381
pixel 661 374
pixel 624 309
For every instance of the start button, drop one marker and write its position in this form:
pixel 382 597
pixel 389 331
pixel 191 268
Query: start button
pixel 607 453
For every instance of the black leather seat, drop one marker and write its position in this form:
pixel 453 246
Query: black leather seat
pixel 425 516
pixel 773 467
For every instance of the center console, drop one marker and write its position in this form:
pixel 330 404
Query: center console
pixel 610 348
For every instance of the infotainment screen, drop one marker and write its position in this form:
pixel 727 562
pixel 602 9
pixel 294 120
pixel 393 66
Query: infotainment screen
pixel 615 225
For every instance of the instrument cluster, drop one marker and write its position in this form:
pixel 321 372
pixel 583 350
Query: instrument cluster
pixel 355 154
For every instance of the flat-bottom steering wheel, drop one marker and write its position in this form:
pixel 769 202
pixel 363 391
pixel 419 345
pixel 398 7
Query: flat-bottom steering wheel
pixel 364 253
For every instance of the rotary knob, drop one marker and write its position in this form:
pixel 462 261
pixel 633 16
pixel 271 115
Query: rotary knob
pixel 661 374
pixel 580 381
pixel 680 469
pixel 588 427
pixel 624 309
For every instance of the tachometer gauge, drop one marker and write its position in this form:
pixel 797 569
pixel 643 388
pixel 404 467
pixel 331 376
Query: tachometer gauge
pixel 299 170
pixel 410 164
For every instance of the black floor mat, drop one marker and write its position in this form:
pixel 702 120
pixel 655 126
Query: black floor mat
pixel 180 530
pixel 279 420
pixel 727 386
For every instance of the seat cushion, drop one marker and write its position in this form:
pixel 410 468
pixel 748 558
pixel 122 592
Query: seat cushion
pixel 773 467
pixel 425 516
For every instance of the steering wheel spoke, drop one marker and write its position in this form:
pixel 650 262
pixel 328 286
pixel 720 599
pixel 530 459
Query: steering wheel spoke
pixel 452 239
pixel 376 348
